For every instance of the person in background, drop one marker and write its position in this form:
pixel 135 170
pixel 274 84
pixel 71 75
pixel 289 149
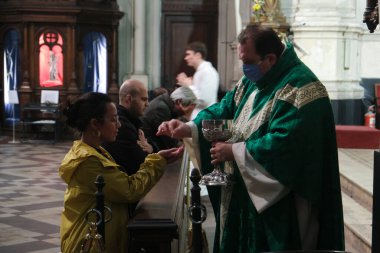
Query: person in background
pixel 282 155
pixel 95 117
pixel 205 82
pixel 131 147
pixel 180 103
pixel 156 92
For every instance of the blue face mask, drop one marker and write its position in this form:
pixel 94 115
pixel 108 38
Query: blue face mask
pixel 252 72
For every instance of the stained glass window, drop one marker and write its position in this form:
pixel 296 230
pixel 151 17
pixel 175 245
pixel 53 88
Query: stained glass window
pixel 95 62
pixel 51 59
pixel 11 73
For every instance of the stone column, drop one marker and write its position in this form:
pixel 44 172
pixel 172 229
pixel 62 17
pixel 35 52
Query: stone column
pixel 125 47
pixel 139 41
pixel 329 34
pixel 153 44
pixel 245 12
pixel 230 25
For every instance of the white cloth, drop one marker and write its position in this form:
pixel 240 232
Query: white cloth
pixel 205 86
pixel 263 189
pixel 192 145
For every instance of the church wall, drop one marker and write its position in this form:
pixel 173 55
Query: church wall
pixel 338 46
pixel 153 38
pixel 331 33
pixel 125 40
pixel 139 41
pixel 370 54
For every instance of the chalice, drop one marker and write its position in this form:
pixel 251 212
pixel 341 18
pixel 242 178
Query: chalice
pixel 216 130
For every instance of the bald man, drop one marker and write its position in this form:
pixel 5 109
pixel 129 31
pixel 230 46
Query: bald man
pixel 131 147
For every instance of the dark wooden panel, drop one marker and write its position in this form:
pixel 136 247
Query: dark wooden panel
pixel 186 5
pixel 72 19
pixel 181 28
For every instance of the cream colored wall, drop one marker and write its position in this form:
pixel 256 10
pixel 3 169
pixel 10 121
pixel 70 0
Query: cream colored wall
pixel 125 52
pixel 139 41
pixel 339 48
pixel 329 31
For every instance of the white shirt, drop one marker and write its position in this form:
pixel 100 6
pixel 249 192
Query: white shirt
pixel 205 86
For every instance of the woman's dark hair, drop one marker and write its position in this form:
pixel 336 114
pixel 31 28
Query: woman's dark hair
pixel 265 40
pixel 91 105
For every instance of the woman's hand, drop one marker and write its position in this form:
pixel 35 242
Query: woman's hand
pixel 172 154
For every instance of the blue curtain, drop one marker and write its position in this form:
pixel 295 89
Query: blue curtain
pixel 11 72
pixel 95 62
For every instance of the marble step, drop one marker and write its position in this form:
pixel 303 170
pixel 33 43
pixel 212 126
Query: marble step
pixel 357 226
pixel 356 173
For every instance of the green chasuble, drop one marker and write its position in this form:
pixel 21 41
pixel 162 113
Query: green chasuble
pixel 285 122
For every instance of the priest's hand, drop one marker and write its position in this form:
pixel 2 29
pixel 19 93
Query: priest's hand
pixel 175 129
pixel 221 152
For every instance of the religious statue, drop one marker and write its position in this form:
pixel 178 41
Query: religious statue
pixel 53 66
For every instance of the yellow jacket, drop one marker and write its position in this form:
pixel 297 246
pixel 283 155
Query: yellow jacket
pixel 79 169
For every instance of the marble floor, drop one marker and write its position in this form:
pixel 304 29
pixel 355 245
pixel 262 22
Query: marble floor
pixel 31 196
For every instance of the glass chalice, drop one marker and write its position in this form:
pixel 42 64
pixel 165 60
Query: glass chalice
pixel 215 130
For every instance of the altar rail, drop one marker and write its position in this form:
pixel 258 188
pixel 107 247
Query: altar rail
pixel 160 221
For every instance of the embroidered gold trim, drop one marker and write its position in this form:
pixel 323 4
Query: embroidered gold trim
pixel 239 92
pixel 245 126
pixel 299 97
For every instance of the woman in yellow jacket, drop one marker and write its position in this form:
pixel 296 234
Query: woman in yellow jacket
pixel 95 117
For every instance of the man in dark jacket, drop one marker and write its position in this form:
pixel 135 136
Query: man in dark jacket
pixel 179 104
pixel 131 147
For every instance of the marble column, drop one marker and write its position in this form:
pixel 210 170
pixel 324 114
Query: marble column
pixel 329 34
pixel 153 44
pixel 327 30
pixel 139 41
pixel 229 26
pixel 125 47
pixel 245 12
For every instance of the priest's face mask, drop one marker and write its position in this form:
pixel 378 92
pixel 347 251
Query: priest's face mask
pixel 252 71
pixel 252 62
pixel 254 65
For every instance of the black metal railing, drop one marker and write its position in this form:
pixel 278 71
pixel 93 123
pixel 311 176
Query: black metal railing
pixel 197 213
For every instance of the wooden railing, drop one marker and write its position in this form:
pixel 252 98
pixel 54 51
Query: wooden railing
pixel 160 220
